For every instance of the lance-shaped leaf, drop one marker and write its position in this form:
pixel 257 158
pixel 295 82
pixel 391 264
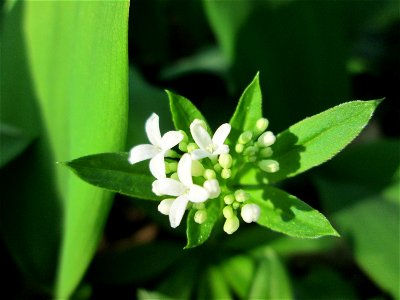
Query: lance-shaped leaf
pixel 196 233
pixel 113 172
pixel 248 110
pixel 183 112
pixel 285 213
pixel 315 140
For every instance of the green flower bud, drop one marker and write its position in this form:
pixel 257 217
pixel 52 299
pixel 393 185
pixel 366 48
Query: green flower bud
pixel 173 166
pixel 239 148
pixel 229 199
pixel 200 216
pixel 261 126
pixel 251 151
pixel 228 212
pixel 209 174
pixel 225 160
pixel 183 146
pixel 241 196
pixel 266 139
pixel 226 173
pixel 174 176
pixel 197 168
pixel 231 225
pixel 266 152
pixel 235 205
pixel 252 158
pixel 191 147
pixel 245 137
pixel 199 205
pixel 217 168
pixel 269 165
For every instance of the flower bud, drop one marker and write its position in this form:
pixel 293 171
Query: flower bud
pixel 191 147
pixel 261 126
pixel 174 176
pixel 197 168
pixel 250 151
pixel 245 137
pixel 172 167
pixel 266 152
pixel 239 148
pixel 226 173
pixel 225 160
pixel 183 146
pixel 200 216
pixel 235 205
pixel 228 199
pixel 228 212
pixel 231 225
pixel 212 186
pixel 266 139
pixel 209 174
pixel 165 206
pixel 217 168
pixel 250 213
pixel 269 165
pixel 241 196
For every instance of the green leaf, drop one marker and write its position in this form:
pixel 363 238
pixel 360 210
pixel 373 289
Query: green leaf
pixel 315 140
pixel 217 284
pixel 113 172
pixel 183 112
pixel 238 272
pixel 248 110
pixel 270 279
pixel 369 223
pixel 196 233
pixel 80 76
pixel 285 213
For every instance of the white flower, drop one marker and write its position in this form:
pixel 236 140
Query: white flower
pixel 184 189
pixel 209 147
pixel 250 213
pixel 213 188
pixel 158 147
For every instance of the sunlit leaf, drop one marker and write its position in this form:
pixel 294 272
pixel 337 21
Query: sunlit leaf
pixel 315 140
pixel 113 172
pixel 285 213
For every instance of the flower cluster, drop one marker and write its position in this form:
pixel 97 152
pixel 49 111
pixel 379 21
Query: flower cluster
pixel 200 171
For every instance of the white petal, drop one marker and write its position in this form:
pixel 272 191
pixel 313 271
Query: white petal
pixel 168 186
pixel 185 170
pixel 153 130
pixel 171 139
pixel 177 211
pixel 221 134
pixel 157 166
pixel 142 152
pixel 200 135
pixel 165 206
pixel 199 154
pixel 222 149
pixel 197 194
pixel 212 187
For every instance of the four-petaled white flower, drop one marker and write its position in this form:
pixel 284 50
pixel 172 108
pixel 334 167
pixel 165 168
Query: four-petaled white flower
pixel 184 189
pixel 209 147
pixel 158 147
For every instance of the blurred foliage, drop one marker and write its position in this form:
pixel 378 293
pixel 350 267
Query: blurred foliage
pixel 62 87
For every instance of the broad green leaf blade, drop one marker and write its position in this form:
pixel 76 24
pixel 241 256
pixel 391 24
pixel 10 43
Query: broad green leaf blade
pixel 113 172
pixel 315 140
pixel 248 110
pixel 285 213
pixel 197 234
pixel 270 279
pixel 78 58
pixel 183 112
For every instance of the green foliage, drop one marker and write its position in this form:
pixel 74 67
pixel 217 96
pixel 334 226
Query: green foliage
pixel 110 171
